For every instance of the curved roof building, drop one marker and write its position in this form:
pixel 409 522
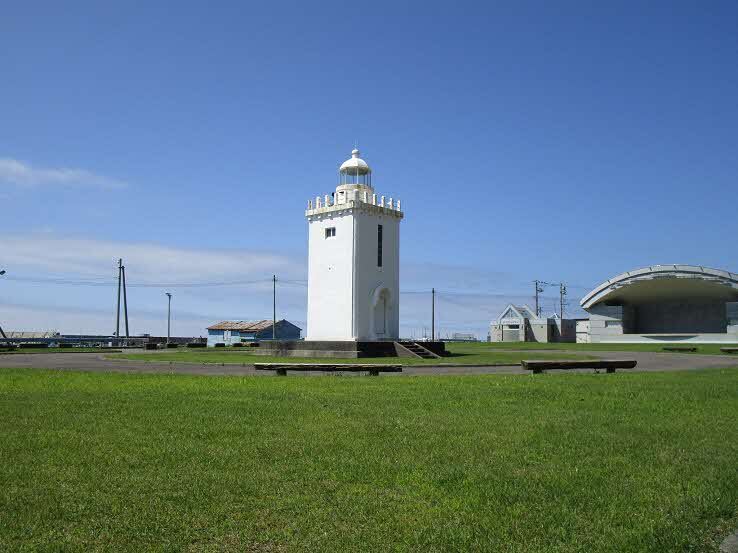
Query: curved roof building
pixel 665 303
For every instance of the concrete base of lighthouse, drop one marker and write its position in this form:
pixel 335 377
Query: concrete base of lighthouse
pixel 339 349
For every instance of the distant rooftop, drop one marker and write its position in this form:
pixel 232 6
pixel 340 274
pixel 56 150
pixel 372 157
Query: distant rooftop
pixel 18 334
pixel 248 326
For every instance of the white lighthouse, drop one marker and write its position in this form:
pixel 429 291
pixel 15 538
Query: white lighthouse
pixel 354 260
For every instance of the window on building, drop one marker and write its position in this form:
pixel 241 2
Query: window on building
pixel 513 327
pixel 330 232
pixel 613 323
pixel 379 245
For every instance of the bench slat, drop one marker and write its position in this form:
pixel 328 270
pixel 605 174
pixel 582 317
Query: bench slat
pixel 373 369
pixel 538 366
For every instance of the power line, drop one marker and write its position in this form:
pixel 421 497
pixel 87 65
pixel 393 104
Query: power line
pixel 108 282
pixel 113 282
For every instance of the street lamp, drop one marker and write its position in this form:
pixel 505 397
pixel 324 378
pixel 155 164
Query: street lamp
pixel 7 342
pixel 169 314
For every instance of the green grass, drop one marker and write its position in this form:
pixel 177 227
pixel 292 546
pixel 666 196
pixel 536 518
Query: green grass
pixel 712 349
pixel 555 463
pixel 461 353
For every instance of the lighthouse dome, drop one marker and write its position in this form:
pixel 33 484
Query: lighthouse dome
pixel 355 165
pixel 355 171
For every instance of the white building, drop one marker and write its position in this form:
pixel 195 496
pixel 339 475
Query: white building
pixel 354 260
pixel 519 323
pixel 582 331
pixel 665 303
pixel 510 326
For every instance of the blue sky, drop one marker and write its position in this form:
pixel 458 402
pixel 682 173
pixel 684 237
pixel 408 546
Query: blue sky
pixel 565 141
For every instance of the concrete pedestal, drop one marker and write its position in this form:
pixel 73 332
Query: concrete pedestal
pixel 337 349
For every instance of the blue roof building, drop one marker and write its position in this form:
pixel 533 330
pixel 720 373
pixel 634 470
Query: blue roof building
pixel 232 332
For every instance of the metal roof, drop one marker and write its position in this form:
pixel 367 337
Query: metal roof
pixel 521 312
pixel 248 326
pixel 654 272
pixel 19 334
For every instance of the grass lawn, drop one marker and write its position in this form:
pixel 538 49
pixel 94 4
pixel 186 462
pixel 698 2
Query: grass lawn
pixel 461 354
pixel 553 463
pixel 712 349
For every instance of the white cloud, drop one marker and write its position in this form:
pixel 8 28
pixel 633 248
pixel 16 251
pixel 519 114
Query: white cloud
pixel 70 320
pixel 85 257
pixel 31 297
pixel 14 172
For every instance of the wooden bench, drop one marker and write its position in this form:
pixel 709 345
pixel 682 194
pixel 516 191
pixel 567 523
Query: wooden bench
pixel 608 364
pixel 372 369
pixel 679 348
pixel 729 350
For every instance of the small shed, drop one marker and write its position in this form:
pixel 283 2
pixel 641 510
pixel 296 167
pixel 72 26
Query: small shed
pixel 512 324
pixel 232 332
pixel 519 323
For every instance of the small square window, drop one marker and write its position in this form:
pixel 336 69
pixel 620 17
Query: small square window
pixel 330 232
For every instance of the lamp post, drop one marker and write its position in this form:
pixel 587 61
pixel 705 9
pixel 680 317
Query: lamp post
pixel 433 315
pixel 169 314
pixel 7 342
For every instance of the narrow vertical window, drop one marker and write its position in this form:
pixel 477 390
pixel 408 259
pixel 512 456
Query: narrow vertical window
pixel 379 245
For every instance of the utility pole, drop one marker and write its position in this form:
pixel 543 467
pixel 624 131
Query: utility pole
pixel 125 301
pixel 169 316
pixel 539 289
pixel 117 309
pixel 562 294
pixel 274 307
pixel 433 314
pixel 121 284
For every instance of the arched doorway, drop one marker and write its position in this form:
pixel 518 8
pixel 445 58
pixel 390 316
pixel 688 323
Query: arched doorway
pixel 380 313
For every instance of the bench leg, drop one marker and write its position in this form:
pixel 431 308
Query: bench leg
pixel 611 370
pixel 373 373
pixel 282 372
pixel 537 371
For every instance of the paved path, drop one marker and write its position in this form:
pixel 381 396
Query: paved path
pixel 96 362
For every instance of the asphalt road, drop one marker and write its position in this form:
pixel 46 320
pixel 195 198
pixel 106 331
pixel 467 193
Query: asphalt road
pixel 96 362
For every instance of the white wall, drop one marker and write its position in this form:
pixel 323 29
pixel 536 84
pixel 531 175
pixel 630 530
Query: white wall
pixel 538 331
pixel 605 322
pixel 330 277
pixel 370 278
pixel 582 332
pixel 343 277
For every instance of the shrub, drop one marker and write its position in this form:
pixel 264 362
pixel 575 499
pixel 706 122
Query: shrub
pixel 149 345
pixel 253 344
pixel 220 345
pixel 196 344
pixel 171 346
pixel 238 345
pixel 33 345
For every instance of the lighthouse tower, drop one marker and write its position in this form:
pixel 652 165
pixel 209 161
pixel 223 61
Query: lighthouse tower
pixel 354 260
